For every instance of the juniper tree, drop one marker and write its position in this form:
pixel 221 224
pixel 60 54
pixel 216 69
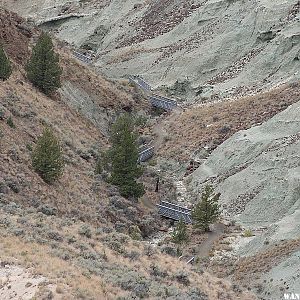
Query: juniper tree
pixel 207 211
pixel 43 68
pixel 180 235
pixel 47 157
pixel 5 65
pixel 124 154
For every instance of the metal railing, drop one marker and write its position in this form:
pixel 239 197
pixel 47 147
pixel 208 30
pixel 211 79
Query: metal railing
pixel 84 58
pixel 155 100
pixel 140 82
pixel 146 154
pixel 163 102
pixel 175 212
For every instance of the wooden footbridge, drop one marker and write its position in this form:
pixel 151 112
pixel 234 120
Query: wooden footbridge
pixel 155 100
pixel 82 57
pixel 163 102
pixel 140 82
pixel 175 212
pixel 146 154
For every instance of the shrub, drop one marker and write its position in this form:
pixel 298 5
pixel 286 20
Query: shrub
pixel 102 163
pixel 248 233
pixel 29 147
pixel 5 66
pixel 10 122
pixel 169 250
pixel 85 231
pixel 135 233
pixel 132 255
pixel 2 115
pixel 43 68
pixel 182 278
pixel 157 272
pixel 47 159
pixel 53 235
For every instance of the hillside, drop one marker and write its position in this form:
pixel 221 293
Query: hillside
pixel 234 68
pixel 71 240
pixel 206 126
pixel 257 173
pixel 199 49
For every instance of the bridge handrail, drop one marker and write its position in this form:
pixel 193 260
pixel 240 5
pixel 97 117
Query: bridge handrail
pixel 162 98
pixel 175 205
pixel 82 56
pixel 140 82
pixel 146 150
pixel 169 208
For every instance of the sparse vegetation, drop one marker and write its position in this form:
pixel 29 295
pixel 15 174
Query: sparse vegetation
pixel 248 233
pixel 207 210
pixel 10 122
pixel 102 163
pixel 5 65
pixel 43 69
pixel 47 157
pixel 135 233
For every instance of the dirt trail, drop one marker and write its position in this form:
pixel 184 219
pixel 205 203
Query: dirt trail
pixel 159 128
pixel 160 133
pixel 204 248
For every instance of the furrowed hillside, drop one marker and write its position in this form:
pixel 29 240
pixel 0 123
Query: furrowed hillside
pixel 198 49
pixel 76 239
pixel 204 127
pixel 233 68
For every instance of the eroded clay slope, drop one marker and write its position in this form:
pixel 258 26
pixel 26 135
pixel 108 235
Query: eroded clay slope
pixel 212 47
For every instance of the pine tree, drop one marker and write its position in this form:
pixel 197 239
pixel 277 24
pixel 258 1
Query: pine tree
pixel 124 154
pixel 43 68
pixel 207 211
pixel 180 235
pixel 5 66
pixel 47 159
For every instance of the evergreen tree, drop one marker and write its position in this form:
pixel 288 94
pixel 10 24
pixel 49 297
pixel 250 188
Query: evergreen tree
pixel 43 68
pixel 207 210
pixel 180 234
pixel 5 66
pixel 124 154
pixel 47 158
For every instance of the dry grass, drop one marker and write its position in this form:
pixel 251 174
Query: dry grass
pixel 127 55
pixel 72 280
pixel 76 193
pixel 31 111
pixel 262 262
pixel 38 259
pixel 211 125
